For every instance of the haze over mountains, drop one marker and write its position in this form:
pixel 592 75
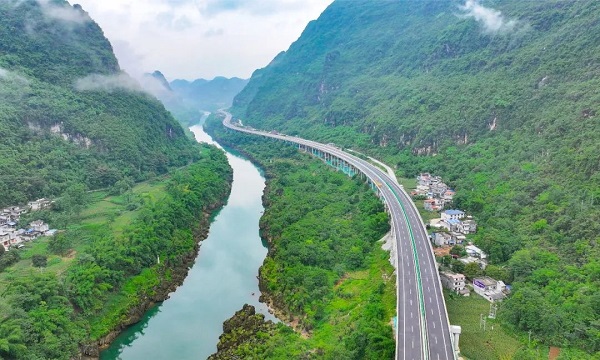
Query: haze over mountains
pixel 500 97
pixel 68 115
pixel 188 100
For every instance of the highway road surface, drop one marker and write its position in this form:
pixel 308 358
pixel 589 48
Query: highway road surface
pixel 423 331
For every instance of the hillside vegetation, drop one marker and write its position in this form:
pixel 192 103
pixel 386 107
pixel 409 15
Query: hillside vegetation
pixel 500 98
pixel 325 272
pixel 67 113
pixel 120 254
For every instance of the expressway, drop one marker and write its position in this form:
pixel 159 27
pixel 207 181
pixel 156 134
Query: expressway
pixel 423 330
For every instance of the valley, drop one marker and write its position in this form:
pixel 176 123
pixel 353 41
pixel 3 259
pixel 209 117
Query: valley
pixel 149 243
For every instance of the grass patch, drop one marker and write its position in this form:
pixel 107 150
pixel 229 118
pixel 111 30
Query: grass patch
pixel 495 343
pixel 102 211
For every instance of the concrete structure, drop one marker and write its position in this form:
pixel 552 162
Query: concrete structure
pixel 489 288
pixel 442 239
pixel 452 281
pixel 39 226
pixel 452 214
pixel 423 327
pixel 474 251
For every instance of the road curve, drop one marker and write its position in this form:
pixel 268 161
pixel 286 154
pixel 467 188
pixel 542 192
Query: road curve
pixel 423 330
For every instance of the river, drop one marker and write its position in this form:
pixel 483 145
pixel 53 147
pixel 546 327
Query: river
pixel 222 280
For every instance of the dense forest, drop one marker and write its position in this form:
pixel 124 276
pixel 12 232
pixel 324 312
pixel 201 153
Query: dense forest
pixel 132 194
pixel 68 115
pixel 325 272
pixel 498 97
pixel 70 293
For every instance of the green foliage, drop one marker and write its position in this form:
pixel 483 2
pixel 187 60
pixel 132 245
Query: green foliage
pixel 324 268
pixel 60 244
pixel 472 270
pixel 55 137
pixel 39 260
pixel 458 250
pixel 511 118
pixel 78 300
pixel 8 259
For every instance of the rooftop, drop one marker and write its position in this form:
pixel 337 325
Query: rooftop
pixel 454 212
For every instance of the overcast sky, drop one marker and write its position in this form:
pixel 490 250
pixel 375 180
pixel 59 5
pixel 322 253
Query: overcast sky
pixel 193 39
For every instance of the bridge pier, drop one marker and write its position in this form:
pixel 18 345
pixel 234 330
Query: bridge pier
pixel 455 330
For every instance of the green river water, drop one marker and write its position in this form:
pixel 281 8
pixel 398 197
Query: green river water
pixel 223 279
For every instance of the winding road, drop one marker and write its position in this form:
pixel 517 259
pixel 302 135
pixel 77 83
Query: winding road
pixel 423 330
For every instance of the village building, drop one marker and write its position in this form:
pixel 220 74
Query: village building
pixel 39 204
pixel 490 289
pixel 433 204
pixel 453 282
pixel 469 226
pixel 442 239
pixel 470 259
pixel 39 226
pixel 452 215
pixel 474 251
pixel 458 238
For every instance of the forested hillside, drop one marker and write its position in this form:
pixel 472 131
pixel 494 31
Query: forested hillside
pixel 68 114
pixel 500 97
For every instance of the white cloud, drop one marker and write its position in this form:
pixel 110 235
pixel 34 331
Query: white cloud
pixel 201 38
pixel 492 20
pixel 64 13
pixel 12 86
pixel 109 83
pixel 6 75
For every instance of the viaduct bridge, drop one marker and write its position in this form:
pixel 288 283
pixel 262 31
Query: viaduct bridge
pixel 423 330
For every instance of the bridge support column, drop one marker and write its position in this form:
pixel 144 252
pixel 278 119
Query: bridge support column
pixel 455 330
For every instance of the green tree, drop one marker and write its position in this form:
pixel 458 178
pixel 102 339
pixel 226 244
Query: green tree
pixel 458 250
pixel 39 260
pixel 472 270
pixel 60 244
pixel 458 266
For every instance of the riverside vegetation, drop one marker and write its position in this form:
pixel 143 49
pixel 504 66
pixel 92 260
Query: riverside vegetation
pixel 120 254
pixel 70 122
pixel 507 112
pixel 325 272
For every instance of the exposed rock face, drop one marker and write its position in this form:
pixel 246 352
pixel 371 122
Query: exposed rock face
pixel 239 329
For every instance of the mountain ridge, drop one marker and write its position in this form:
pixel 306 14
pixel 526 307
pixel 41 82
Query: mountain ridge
pixel 499 98
pixel 67 102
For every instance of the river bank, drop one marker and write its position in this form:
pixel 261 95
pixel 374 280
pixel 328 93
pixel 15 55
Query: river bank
pixel 325 273
pixel 170 279
pixel 222 279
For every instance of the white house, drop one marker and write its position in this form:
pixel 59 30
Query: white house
pixel 452 281
pixel 39 226
pixel 442 239
pixel 489 288
pixel 452 214
pixel 474 251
